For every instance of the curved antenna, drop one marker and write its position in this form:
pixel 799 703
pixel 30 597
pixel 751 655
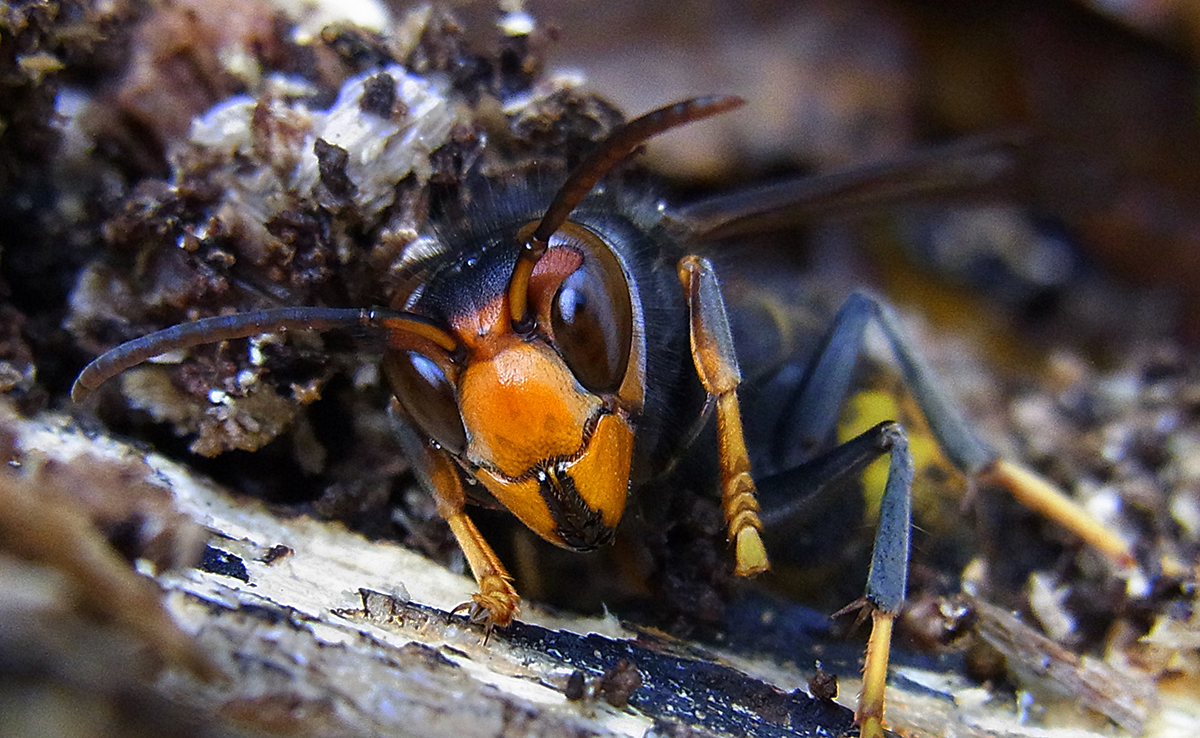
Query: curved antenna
pixel 243 325
pixel 619 145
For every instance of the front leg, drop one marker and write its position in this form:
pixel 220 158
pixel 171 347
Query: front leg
pixel 716 365
pixel 495 604
pixel 496 601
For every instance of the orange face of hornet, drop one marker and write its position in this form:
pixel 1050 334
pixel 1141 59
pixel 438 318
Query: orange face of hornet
pixel 545 415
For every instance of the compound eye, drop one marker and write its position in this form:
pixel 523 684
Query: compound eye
pixel 428 397
pixel 591 317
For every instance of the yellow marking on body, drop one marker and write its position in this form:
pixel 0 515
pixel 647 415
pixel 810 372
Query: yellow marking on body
pixel 863 411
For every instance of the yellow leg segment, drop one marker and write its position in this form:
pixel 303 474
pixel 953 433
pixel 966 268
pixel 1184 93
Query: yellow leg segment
pixel 870 703
pixel 497 599
pixel 716 365
pixel 737 490
pixel 1040 495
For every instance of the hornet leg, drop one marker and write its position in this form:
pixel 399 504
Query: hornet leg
pixel 716 365
pixel 816 407
pixel 887 580
pixel 496 602
pixel 827 383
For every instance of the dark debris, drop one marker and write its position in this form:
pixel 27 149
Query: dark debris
pixel 710 695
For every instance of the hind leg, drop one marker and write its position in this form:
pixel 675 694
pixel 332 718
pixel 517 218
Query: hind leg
pixel 888 576
pixel 815 409
pixel 826 385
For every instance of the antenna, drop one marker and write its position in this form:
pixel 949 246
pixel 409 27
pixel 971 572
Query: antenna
pixel 614 149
